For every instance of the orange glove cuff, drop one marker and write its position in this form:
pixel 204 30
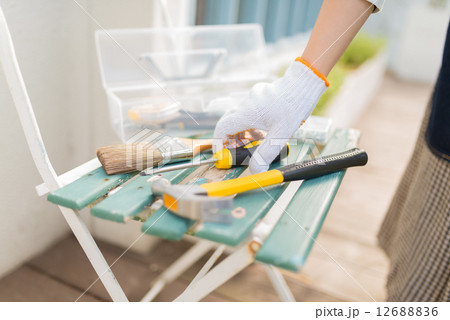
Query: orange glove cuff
pixel 321 76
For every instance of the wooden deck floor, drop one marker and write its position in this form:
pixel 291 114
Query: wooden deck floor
pixel 345 265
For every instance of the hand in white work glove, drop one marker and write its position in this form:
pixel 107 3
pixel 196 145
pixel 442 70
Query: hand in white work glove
pixel 279 108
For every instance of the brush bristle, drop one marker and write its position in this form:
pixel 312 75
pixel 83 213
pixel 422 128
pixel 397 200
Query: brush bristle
pixel 123 158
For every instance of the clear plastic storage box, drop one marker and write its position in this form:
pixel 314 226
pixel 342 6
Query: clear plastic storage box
pixel 178 79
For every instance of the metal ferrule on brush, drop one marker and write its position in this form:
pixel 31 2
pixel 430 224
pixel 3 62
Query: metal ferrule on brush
pixel 174 150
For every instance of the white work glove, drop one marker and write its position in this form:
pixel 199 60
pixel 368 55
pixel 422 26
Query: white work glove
pixel 279 108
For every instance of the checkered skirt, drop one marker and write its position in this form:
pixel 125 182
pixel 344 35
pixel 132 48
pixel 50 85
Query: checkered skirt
pixel 415 233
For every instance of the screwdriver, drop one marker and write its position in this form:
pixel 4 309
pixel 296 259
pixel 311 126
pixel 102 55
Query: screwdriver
pixel 223 159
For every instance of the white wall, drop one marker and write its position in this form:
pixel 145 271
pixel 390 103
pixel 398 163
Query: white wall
pixel 416 34
pixel 55 47
pixel 421 44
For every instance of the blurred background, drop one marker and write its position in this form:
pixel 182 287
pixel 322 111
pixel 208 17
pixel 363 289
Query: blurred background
pixel 380 86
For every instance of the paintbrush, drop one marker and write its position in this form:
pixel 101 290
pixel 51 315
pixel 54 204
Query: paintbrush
pixel 149 149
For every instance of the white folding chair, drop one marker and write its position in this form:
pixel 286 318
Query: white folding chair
pixel 53 182
pixel 319 193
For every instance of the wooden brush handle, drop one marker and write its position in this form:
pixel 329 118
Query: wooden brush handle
pixel 197 145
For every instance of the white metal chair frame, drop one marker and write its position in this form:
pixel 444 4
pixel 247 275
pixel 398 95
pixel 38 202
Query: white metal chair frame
pixel 205 281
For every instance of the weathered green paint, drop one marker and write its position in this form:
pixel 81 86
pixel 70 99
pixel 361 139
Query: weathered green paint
pixel 167 225
pixel 291 241
pixel 132 199
pixel 255 203
pixel 87 189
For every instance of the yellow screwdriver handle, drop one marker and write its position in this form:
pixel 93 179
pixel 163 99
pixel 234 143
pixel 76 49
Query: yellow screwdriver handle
pixel 227 158
pixel 224 159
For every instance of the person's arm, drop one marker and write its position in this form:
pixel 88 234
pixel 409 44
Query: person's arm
pixel 281 107
pixel 336 26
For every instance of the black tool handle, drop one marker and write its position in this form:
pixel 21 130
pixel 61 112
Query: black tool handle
pixel 242 155
pixel 323 165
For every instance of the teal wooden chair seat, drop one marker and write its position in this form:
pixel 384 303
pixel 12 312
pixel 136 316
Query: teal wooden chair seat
pixel 295 233
pixel 87 189
pixel 132 198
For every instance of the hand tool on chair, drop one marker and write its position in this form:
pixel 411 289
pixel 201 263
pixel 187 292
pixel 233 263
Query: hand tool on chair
pixel 148 149
pixel 213 201
pixel 223 159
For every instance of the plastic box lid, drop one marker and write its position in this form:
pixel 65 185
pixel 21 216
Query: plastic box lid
pixel 181 56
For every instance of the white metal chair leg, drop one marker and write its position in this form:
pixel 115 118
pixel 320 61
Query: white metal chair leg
pixel 207 266
pixel 279 284
pixel 178 267
pixel 224 271
pixel 94 254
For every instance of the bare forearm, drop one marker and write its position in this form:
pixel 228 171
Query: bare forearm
pixel 336 26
